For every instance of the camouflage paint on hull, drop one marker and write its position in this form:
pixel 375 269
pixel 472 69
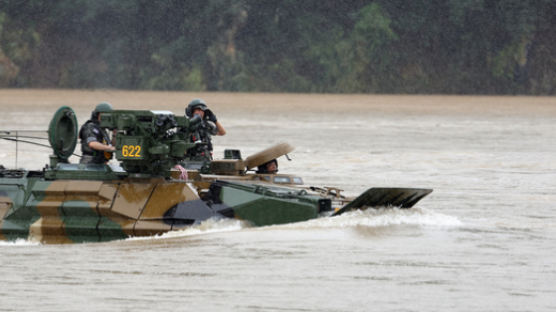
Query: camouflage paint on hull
pixel 73 211
pixel 68 211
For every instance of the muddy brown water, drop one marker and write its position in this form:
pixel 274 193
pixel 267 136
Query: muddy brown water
pixel 484 240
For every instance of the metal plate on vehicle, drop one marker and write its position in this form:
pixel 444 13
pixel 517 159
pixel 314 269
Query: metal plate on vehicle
pixel 384 197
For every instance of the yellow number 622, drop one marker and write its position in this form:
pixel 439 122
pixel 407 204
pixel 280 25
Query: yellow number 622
pixel 131 151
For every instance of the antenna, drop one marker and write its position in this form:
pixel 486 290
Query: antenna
pixel 16 147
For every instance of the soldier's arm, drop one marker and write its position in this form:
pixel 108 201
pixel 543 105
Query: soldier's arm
pixel 212 117
pixel 96 145
pixel 220 128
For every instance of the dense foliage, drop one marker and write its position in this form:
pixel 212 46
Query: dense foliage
pixel 368 46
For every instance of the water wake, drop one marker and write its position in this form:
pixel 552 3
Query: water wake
pixel 205 227
pixel 19 242
pixel 382 217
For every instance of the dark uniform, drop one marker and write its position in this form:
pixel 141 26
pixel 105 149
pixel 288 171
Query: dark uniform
pixel 203 151
pixel 92 132
pixel 202 135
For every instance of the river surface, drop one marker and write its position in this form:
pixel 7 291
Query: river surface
pixel 484 240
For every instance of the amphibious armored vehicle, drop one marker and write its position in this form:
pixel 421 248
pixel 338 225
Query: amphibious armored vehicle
pixel 143 194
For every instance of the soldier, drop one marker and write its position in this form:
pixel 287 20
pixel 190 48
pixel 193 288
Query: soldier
pixel 209 126
pixel 270 167
pixel 95 142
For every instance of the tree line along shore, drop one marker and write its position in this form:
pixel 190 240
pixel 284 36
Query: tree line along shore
pixel 343 46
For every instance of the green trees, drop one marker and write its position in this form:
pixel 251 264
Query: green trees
pixel 380 46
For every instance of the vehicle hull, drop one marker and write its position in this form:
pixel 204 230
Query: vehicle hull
pixel 35 208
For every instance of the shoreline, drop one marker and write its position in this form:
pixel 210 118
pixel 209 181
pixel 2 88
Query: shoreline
pixel 228 102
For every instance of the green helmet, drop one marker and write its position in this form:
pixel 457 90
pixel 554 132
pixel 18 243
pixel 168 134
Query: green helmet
pixel 196 103
pixel 101 107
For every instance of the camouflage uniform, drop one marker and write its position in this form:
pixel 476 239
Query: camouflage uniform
pixel 92 132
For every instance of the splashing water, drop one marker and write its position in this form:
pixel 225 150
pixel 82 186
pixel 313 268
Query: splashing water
pixel 214 225
pixel 381 217
pixel 19 243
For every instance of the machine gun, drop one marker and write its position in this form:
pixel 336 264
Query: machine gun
pixel 150 142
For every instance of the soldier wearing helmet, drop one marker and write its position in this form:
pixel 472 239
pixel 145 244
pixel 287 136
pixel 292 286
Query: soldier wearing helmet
pixel 199 107
pixel 95 142
pixel 209 125
pixel 270 167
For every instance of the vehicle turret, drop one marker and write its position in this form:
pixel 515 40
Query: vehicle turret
pixel 148 142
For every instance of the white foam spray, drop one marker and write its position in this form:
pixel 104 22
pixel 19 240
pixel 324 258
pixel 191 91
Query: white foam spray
pixel 206 227
pixel 383 217
pixel 19 242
